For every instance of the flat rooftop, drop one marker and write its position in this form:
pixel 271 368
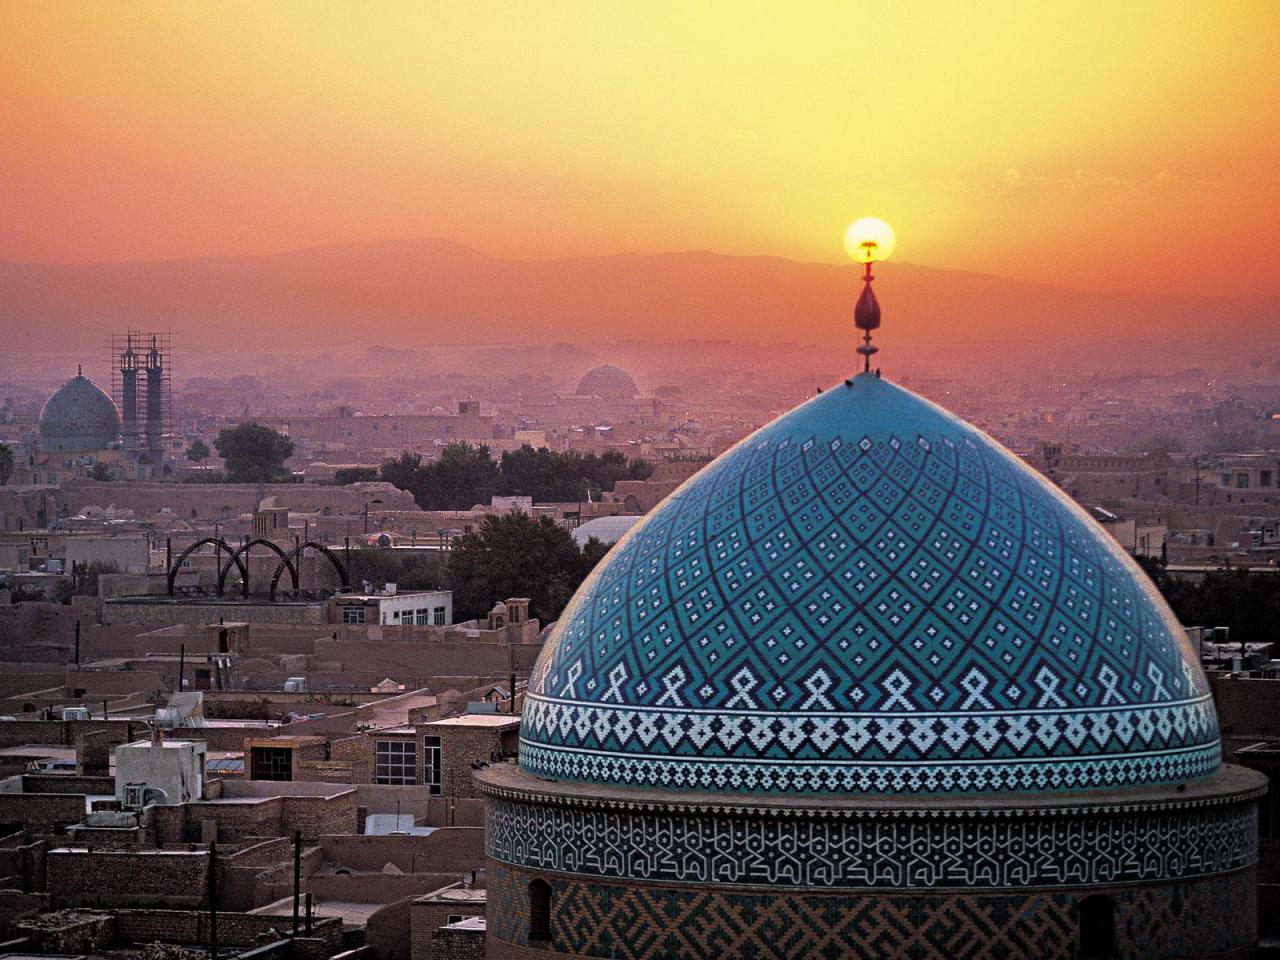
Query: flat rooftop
pixel 477 720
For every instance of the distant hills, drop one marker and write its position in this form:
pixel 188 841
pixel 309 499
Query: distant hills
pixel 419 292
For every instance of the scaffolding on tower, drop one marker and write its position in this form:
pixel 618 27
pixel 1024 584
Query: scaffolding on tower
pixel 141 368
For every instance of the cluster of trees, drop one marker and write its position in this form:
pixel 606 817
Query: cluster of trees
pixel 1248 603
pixel 465 475
pixel 406 572
pixel 508 556
pixel 518 556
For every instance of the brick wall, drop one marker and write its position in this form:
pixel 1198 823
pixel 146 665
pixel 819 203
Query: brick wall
pixel 356 751
pixel 426 919
pixel 450 943
pixel 41 811
pixel 1247 710
pixel 255 817
pixel 234 929
pixel 126 878
pixel 460 747
pixel 71 932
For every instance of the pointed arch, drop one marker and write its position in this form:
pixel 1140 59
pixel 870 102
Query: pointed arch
pixel 339 567
pixel 217 542
pixel 241 554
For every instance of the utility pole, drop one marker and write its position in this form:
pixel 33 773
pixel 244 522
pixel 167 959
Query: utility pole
pixel 297 877
pixel 213 900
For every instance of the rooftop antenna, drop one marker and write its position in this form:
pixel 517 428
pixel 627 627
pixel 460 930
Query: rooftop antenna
pixel 866 241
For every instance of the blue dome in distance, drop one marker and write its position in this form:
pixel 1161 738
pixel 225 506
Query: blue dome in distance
pixel 868 595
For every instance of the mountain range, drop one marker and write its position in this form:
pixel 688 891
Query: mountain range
pixel 423 292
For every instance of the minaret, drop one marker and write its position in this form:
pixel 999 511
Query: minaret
pixel 129 396
pixel 155 404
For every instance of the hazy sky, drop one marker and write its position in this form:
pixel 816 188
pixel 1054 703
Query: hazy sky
pixel 1117 146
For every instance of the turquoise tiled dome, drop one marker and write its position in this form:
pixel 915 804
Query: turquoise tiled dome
pixel 868 595
pixel 80 417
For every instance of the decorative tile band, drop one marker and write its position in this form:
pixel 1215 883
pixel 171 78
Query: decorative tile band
pixel 908 852
pixel 611 734
pixel 861 776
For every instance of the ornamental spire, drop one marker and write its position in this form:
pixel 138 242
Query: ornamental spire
pixel 866 241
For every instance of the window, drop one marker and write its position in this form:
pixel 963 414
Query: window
pixel 271 763
pixel 539 911
pixel 395 762
pixel 1242 481
pixel 431 763
pixel 454 918
pixel 437 616
pixel 422 617
pixel 1097 928
pixel 1264 478
pixel 352 614
pixel 135 794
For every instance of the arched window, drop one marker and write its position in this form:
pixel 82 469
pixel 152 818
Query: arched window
pixel 1097 928
pixel 539 911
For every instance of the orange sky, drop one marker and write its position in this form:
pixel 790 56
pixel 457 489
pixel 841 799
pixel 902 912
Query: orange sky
pixel 1117 146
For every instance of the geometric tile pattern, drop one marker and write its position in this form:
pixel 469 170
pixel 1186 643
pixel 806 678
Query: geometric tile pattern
pixel 868 595
pixel 971 852
pixel 1206 917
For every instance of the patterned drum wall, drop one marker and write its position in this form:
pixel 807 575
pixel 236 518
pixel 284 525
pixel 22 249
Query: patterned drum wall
pixel 1211 917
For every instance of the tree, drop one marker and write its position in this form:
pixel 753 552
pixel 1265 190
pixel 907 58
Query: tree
pixel 354 475
pixel 253 453
pixel 198 452
pixel 517 556
pixel 1248 603
pixel 7 463
pixel 100 471
pixel 462 477
pixel 550 476
pixel 412 572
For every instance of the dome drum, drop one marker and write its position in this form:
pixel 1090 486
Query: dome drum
pixel 869 877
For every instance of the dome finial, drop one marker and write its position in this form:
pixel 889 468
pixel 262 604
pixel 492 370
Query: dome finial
pixel 79 369
pixel 866 241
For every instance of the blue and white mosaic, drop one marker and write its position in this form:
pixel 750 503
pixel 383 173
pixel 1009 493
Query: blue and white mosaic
pixel 868 595
pixel 969 852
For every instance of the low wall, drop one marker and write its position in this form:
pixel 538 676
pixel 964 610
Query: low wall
pixel 234 929
pixel 42 811
pixel 78 878
pixel 448 850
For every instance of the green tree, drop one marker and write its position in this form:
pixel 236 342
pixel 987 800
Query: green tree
pixel 253 453
pixel 100 471
pixel 7 463
pixel 551 476
pixel 1248 603
pixel 354 475
pixel 414 572
pixel 462 477
pixel 517 556
pixel 198 452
